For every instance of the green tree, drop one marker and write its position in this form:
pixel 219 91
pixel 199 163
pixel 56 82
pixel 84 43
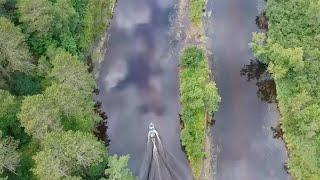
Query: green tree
pixel 24 84
pixel 95 21
pixel 53 23
pixel 313 12
pixel 2 8
pixel 66 21
pixel 9 157
pixel 80 6
pixel 75 109
pixel 9 123
pixel 72 92
pixel 60 107
pixel 198 98
pixel 67 69
pixel 53 31
pixel 291 50
pixel 8 110
pixel 67 154
pixel 39 116
pixel 65 15
pixel 36 14
pixel 118 168
pixel 14 55
pixel 66 103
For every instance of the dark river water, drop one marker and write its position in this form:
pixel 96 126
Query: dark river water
pixel 248 150
pixel 138 81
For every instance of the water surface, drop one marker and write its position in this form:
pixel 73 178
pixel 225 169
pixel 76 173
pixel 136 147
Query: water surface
pixel 138 81
pixel 242 131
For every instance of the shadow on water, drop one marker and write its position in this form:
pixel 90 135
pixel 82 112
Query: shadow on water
pixel 257 71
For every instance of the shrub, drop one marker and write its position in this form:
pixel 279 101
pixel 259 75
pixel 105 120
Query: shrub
pixel 198 96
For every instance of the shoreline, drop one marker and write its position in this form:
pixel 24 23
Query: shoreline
pixel 98 53
pixel 278 132
pixel 195 37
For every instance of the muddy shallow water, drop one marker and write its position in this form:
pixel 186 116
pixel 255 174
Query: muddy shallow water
pixel 138 81
pixel 242 130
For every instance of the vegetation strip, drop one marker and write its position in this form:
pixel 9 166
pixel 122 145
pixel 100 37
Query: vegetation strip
pixel 291 50
pixel 46 109
pixel 198 97
pixel 196 9
pixel 198 93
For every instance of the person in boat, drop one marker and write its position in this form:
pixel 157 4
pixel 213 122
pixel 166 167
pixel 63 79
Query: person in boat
pixel 153 133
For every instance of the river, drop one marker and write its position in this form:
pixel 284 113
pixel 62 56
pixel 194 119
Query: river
pixel 138 81
pixel 242 130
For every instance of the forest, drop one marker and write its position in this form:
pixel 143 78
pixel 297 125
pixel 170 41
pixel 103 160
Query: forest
pixel 47 116
pixel 290 48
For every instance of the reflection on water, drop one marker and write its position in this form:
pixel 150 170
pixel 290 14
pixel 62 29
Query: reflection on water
pixel 138 81
pixel 253 70
pixel 257 71
pixel 242 130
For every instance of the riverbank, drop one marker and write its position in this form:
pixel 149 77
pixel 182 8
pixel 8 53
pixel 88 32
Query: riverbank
pixel 242 131
pixel 290 48
pixel 99 47
pixel 198 93
pixel 96 54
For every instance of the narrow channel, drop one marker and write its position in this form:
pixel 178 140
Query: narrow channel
pixel 242 130
pixel 138 82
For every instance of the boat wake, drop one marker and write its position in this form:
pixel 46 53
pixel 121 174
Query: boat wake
pixel 159 164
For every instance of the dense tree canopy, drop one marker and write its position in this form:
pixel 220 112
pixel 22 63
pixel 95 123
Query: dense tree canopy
pixel 75 109
pixel 9 157
pixel 94 24
pixel 118 169
pixel 8 110
pixel 67 101
pixel 39 116
pixel 67 154
pixel 67 69
pixel 9 123
pixel 47 103
pixel 291 50
pixel 36 14
pixel 14 54
pixel 72 25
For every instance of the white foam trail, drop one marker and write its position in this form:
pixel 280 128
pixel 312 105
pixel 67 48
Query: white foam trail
pixel 158 164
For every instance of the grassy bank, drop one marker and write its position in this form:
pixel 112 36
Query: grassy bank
pixel 198 96
pixel 291 50
pixel 196 9
pixel 198 93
